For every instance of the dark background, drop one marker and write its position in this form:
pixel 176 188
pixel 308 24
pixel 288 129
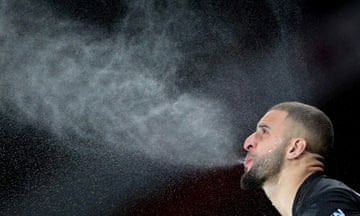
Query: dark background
pixel 326 74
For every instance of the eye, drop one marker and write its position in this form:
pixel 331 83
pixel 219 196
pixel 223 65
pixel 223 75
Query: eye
pixel 263 130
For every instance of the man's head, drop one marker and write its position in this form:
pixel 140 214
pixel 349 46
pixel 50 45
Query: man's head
pixel 285 132
pixel 310 123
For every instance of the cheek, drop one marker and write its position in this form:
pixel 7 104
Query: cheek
pixel 274 144
pixel 266 151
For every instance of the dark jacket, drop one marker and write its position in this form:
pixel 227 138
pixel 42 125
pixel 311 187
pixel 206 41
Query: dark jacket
pixel 320 195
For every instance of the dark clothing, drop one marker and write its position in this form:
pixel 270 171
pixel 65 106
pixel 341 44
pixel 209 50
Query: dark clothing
pixel 320 195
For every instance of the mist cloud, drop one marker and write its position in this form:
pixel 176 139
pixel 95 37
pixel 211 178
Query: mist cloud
pixel 112 89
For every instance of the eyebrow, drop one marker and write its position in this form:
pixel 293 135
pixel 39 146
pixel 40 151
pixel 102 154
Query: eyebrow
pixel 263 126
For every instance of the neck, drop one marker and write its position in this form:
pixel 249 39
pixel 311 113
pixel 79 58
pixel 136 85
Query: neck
pixel 282 188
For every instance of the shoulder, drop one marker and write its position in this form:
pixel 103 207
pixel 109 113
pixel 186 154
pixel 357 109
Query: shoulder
pixel 322 195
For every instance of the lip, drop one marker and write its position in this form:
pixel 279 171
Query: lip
pixel 247 162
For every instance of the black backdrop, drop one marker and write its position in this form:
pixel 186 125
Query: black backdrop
pixel 31 154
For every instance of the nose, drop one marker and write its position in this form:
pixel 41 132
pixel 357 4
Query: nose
pixel 250 142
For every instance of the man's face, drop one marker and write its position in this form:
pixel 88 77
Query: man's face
pixel 266 149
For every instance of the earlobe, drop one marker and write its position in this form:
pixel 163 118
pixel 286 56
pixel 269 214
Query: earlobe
pixel 296 148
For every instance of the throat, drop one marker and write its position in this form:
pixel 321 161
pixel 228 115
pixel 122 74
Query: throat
pixel 281 192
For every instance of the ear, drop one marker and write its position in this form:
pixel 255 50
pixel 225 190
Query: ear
pixel 296 147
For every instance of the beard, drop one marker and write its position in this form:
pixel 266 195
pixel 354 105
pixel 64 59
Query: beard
pixel 262 168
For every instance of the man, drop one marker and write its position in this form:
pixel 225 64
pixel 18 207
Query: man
pixel 285 157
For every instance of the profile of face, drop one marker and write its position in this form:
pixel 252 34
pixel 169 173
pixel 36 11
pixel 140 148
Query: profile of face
pixel 265 149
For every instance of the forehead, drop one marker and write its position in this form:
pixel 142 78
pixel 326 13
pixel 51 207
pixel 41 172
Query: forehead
pixel 273 118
